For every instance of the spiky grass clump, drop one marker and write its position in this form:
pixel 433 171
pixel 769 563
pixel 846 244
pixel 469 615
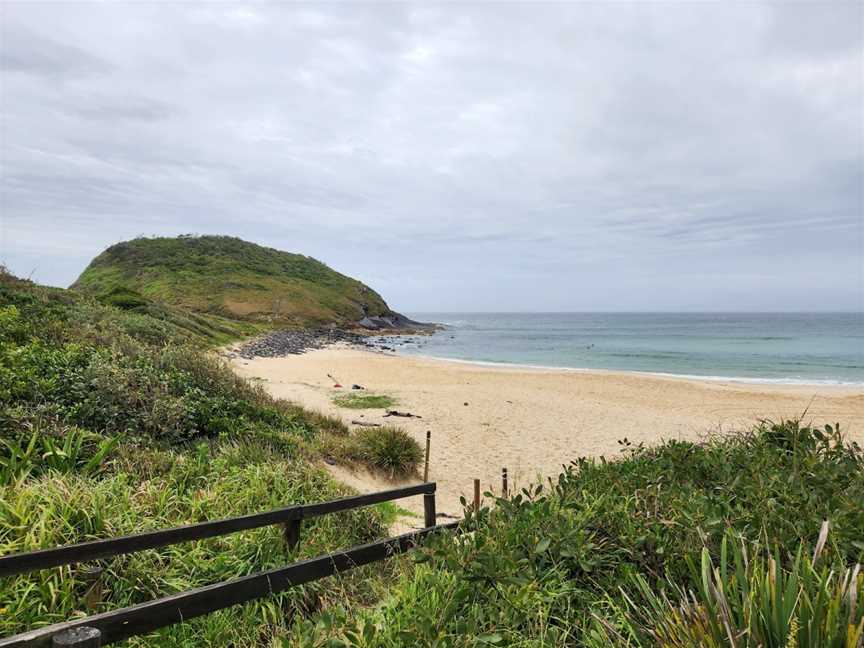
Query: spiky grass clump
pixel 748 600
pixel 390 449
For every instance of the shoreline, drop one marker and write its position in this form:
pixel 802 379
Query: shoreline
pixel 746 380
pixel 533 420
pixel 288 342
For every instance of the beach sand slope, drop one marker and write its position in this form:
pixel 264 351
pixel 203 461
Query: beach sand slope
pixel 533 421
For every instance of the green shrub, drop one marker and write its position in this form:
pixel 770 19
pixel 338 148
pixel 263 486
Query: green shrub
pixel 123 298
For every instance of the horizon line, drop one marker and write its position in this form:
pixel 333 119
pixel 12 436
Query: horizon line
pixel 640 312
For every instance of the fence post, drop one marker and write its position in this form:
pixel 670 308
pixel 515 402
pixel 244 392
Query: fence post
pixel 93 579
pixel 426 468
pixel 429 509
pixel 292 534
pixel 80 637
pixel 476 495
pixel 504 482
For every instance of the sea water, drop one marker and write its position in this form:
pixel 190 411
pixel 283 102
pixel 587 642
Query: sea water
pixel 770 347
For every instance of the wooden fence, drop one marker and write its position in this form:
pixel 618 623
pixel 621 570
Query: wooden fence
pixel 109 627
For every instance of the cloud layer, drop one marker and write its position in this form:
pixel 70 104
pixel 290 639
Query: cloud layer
pixel 456 157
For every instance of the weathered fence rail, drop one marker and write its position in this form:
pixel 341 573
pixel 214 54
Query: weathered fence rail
pixel 116 625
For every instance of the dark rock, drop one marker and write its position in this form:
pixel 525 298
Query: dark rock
pixel 395 322
pixel 294 342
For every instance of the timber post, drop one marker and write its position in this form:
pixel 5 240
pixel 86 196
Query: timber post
pixel 93 594
pixel 429 514
pixel 426 467
pixel 292 534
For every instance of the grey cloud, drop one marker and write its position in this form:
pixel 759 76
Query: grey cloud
pixel 27 52
pixel 128 108
pixel 549 156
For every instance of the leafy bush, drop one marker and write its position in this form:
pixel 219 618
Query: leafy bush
pixel 123 298
pixel 94 374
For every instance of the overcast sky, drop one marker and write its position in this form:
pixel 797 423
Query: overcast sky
pixel 626 156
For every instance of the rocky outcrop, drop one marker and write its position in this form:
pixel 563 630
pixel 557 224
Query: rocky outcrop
pixel 395 322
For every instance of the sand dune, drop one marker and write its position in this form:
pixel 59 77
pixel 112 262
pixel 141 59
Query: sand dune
pixel 534 420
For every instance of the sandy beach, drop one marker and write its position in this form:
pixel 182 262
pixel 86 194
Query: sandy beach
pixel 532 421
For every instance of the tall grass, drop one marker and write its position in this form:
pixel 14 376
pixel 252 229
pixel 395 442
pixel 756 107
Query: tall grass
pixel 151 489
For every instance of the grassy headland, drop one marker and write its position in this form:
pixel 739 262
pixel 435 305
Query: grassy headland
pixel 232 278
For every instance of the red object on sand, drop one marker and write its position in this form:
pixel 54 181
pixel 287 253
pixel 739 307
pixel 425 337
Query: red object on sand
pixel 337 386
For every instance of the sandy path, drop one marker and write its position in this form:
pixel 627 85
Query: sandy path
pixel 533 421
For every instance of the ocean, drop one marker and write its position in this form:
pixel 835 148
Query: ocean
pixel 807 348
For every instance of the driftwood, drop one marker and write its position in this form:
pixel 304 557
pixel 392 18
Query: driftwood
pixel 365 424
pixel 403 414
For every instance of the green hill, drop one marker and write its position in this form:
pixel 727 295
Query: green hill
pixel 229 277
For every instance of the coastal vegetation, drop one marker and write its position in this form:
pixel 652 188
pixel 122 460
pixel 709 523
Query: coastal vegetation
pixel 116 420
pixel 229 278
pixel 722 543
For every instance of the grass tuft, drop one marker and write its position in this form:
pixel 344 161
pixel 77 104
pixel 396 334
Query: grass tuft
pixel 390 449
pixel 355 400
pixel 749 594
